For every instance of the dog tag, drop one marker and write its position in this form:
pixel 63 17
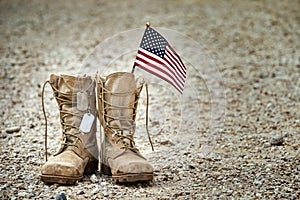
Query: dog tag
pixel 86 122
pixel 82 101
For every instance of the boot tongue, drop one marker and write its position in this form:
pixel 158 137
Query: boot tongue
pixel 69 86
pixel 122 98
pixel 66 83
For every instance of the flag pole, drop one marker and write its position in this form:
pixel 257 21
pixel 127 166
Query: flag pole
pixel 148 24
pixel 133 68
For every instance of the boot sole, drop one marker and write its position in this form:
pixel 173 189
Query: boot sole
pixel 130 178
pixel 66 180
pixel 126 178
pixel 60 179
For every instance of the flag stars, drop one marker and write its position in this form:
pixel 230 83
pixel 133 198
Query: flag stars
pixel 154 42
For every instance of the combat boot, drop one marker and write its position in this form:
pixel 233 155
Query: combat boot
pixel 76 101
pixel 118 96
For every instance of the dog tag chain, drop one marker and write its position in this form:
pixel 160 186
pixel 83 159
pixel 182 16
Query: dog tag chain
pixel 88 118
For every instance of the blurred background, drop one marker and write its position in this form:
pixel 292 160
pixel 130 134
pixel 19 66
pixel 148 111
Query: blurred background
pixel 255 46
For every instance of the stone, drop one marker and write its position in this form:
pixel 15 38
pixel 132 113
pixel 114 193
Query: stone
pixel 105 193
pixel 13 129
pixel 93 178
pixel 80 192
pixel 277 141
pixel 103 184
pixel 22 194
pixel 61 196
pixel 95 190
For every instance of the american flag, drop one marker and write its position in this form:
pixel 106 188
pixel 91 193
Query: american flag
pixel 157 57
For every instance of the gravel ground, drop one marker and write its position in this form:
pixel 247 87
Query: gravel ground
pixel 256 47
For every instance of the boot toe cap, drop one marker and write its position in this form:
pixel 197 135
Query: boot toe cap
pixel 66 164
pixel 61 169
pixel 137 167
pixel 134 167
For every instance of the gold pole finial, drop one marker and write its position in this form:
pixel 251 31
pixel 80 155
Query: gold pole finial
pixel 148 24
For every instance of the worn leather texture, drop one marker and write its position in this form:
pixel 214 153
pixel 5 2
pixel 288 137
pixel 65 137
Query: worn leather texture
pixel 118 95
pixel 77 149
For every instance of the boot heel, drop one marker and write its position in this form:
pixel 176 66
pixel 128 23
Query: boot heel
pixel 91 167
pixel 105 169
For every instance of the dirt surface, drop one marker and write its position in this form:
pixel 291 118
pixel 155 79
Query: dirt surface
pixel 255 46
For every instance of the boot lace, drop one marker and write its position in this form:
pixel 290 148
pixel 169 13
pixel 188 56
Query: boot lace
pixel 118 132
pixel 64 99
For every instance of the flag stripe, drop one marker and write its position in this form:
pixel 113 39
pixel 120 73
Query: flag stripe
pixel 173 65
pixel 157 63
pixel 177 57
pixel 162 64
pixel 173 55
pixel 157 73
pixel 155 67
pixel 175 62
pixel 168 58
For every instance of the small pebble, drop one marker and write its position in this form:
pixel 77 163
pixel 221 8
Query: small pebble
pixel 22 194
pixel 80 192
pixel 61 196
pixel 103 184
pixel 277 141
pixel 95 190
pixel 94 178
pixel 105 194
pixel 257 183
pixel 13 129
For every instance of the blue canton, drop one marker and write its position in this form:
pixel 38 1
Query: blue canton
pixel 153 42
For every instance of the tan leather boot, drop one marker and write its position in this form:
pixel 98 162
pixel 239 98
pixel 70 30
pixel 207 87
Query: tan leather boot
pixel 118 96
pixel 76 101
